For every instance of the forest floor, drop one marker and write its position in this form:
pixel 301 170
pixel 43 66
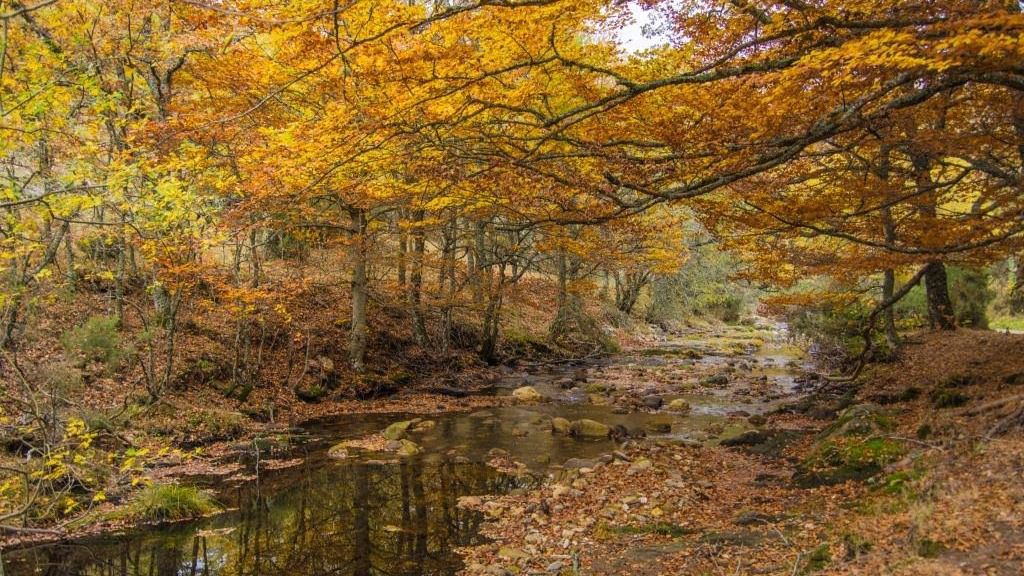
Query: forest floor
pixel 915 468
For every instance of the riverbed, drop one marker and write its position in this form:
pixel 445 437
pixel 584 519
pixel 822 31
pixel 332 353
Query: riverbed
pixel 376 513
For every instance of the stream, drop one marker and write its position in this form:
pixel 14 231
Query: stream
pixel 381 515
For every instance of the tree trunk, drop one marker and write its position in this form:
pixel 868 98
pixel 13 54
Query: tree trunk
pixel 560 324
pixel 254 259
pixel 889 276
pixel 122 256
pixel 889 319
pixel 69 260
pixel 357 256
pixel 940 308
pixel 403 246
pixel 479 268
pixel 446 286
pixel 419 327
pixel 1017 292
pixel 491 327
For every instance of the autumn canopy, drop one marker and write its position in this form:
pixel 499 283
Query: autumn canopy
pixel 453 149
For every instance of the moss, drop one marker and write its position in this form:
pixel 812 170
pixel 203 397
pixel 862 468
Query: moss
pixel 659 528
pixel 522 343
pixel 898 482
pixel 859 420
pixel 313 393
pixel 838 460
pixel 400 378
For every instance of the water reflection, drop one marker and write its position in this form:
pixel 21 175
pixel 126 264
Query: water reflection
pixel 355 519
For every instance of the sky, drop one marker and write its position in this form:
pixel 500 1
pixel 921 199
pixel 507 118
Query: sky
pixel 631 37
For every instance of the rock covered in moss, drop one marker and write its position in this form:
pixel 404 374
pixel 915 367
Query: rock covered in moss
pixel 560 425
pixel 679 405
pixel 527 394
pixel 397 430
pixel 586 428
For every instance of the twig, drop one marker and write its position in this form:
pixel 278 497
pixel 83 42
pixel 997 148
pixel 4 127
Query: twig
pixel 918 442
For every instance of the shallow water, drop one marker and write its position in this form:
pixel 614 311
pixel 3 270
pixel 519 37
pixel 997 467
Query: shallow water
pixel 362 516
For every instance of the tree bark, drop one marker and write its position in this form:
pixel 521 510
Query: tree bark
pixel 889 318
pixel 940 308
pixel 254 259
pixel 357 256
pixel 1017 291
pixel 403 246
pixel 419 327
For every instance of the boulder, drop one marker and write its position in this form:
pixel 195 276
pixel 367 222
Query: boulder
pixel 859 420
pixel 679 405
pixel 564 383
pixel 423 426
pixel 527 394
pixel 653 402
pixel 717 380
pixel 407 448
pixel 561 426
pixel 586 428
pixel 397 430
pixel 639 466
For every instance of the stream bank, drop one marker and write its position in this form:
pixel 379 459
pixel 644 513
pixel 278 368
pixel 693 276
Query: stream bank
pixel 913 469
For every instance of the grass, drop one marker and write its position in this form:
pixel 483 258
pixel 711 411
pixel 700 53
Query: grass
pixel 167 503
pixel 1012 323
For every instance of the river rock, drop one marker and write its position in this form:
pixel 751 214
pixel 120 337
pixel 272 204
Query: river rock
pixel 423 426
pixel 679 405
pixel 639 466
pixel 564 383
pixel 397 430
pixel 407 448
pixel 338 451
pixel 586 428
pixel 653 402
pixel 561 425
pixel 717 380
pixel 527 394
pixel 577 396
pixel 509 553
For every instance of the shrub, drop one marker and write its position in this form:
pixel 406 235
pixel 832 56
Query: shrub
pixel 96 340
pixel 99 246
pixel 835 333
pixel 947 398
